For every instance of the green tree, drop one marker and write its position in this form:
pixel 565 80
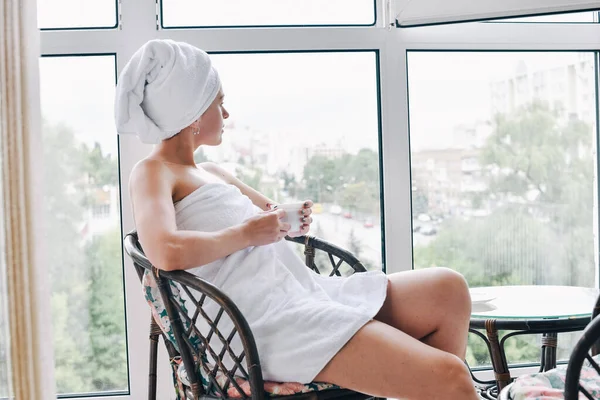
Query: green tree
pixel 71 369
pixel 539 168
pixel 107 316
pixel 546 161
pixel 96 171
pixel 289 183
pixel 420 203
pixel 87 296
pixel 68 275
pixel 357 196
pixel 100 169
pixel 354 244
pixel 340 179
pixel 363 167
pixel 322 177
pixel 363 171
pixel 517 349
pixel 466 247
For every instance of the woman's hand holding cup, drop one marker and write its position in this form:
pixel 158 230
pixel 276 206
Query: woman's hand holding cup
pixel 266 228
pixel 298 216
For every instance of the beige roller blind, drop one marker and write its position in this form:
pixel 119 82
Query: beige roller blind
pixel 27 283
pixel 432 12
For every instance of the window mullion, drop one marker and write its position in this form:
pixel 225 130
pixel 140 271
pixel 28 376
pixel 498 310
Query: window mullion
pixel 395 155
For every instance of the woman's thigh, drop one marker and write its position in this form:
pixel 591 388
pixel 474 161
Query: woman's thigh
pixel 385 362
pixel 419 302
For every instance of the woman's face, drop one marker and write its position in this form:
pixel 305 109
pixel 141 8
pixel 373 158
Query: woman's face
pixel 211 123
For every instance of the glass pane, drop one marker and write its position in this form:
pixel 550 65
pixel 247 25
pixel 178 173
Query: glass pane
pixel 306 126
pixel 57 14
pixel 83 223
pixel 558 18
pixel 503 161
pixel 178 13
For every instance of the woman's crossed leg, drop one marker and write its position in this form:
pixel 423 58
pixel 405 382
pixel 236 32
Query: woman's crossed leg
pixel 415 347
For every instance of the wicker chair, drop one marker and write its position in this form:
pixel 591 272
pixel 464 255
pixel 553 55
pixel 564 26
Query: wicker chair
pixel 194 349
pixel 587 346
pixel 585 349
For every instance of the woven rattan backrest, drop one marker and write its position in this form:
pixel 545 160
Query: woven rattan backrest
pixel 204 337
pixel 213 338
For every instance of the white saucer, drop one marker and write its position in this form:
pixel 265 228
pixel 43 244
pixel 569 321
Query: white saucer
pixel 481 297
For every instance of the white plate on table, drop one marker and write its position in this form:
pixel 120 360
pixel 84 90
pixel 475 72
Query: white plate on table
pixel 481 297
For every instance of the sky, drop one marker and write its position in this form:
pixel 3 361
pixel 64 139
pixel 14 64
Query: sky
pixel 300 94
pixel 328 98
pixel 86 13
pixel 60 13
pixel 447 89
pixel 314 97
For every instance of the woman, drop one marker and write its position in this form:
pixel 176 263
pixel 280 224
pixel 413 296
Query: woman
pixel 398 336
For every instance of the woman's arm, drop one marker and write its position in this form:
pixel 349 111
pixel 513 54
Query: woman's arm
pixel 151 185
pixel 257 198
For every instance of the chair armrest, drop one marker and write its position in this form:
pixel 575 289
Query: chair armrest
pixel 579 355
pixel 186 333
pixel 344 256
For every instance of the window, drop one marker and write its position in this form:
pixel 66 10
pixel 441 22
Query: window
pixel 331 157
pixel 74 14
pixel 582 17
pixel 223 13
pixel 72 98
pixel 431 12
pixel 516 203
pixel 84 249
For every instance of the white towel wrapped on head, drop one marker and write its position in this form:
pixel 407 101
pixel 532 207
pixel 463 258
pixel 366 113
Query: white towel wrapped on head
pixel 165 87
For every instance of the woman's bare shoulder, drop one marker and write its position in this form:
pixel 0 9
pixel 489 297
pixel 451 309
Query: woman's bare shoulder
pixel 150 171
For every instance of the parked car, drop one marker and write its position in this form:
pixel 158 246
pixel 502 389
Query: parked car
pixel 424 218
pixel 348 214
pixel 427 230
pixel 368 223
pixel 335 209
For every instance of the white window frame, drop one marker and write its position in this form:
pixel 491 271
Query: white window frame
pixel 429 12
pixel 139 24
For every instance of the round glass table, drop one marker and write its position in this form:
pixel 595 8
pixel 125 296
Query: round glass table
pixel 545 310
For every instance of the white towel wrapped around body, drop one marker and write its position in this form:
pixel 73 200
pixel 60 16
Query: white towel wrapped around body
pixel 299 318
pixel 165 87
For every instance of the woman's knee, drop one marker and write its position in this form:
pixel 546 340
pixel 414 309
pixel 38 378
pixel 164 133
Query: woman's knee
pixel 451 277
pixel 453 288
pixel 456 378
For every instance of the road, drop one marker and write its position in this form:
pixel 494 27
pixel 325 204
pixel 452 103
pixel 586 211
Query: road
pixel 336 229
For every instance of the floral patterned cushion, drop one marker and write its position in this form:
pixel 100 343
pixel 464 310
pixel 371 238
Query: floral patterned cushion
pixel 180 378
pixel 271 388
pixel 551 385
pixel 154 300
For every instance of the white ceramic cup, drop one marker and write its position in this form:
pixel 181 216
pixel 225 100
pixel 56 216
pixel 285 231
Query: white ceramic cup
pixel 293 215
